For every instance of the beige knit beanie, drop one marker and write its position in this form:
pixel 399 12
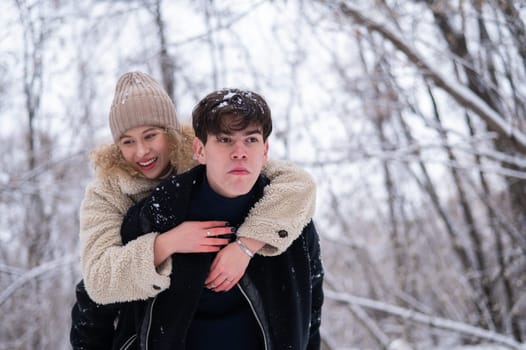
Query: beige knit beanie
pixel 139 101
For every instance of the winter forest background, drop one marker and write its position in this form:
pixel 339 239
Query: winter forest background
pixel 410 114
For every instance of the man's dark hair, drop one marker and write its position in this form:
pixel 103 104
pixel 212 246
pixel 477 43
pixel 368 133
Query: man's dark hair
pixel 228 110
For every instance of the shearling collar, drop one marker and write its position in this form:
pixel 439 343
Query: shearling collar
pixel 134 185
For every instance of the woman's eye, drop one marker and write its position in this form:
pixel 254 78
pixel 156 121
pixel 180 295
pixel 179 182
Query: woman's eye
pixel 126 142
pixel 150 136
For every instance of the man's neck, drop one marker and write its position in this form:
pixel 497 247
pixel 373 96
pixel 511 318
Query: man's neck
pixel 207 204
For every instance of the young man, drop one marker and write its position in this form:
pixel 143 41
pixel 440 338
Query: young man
pixel 277 303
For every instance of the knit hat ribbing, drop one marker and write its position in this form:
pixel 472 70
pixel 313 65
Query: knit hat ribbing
pixel 139 101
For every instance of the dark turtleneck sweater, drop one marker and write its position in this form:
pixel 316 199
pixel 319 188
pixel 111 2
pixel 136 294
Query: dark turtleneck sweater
pixel 223 320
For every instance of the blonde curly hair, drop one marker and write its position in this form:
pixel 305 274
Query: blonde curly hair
pixel 108 159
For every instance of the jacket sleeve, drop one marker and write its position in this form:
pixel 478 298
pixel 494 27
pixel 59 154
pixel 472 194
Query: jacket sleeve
pixel 317 274
pixel 92 326
pixel 114 272
pixel 286 207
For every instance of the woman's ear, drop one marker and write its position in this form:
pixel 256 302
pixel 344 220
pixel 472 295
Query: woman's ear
pixel 199 150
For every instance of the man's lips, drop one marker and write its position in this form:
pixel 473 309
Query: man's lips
pixel 239 171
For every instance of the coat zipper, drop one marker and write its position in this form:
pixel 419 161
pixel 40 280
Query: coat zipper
pixel 147 335
pixel 150 316
pixel 128 342
pixel 255 315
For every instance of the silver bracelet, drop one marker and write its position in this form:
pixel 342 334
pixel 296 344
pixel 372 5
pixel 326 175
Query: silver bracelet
pixel 244 248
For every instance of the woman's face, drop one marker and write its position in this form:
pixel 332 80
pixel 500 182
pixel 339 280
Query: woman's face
pixel 147 149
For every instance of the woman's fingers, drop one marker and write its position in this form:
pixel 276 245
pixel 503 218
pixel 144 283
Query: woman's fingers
pixel 225 231
pixel 215 241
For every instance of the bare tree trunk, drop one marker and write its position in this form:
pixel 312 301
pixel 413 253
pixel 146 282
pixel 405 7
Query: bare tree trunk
pixel 166 61
pixel 502 302
pixel 515 25
pixel 381 115
pixel 458 45
pixel 213 46
pixel 35 224
pixel 479 269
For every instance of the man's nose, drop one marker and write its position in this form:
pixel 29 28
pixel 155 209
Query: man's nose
pixel 239 151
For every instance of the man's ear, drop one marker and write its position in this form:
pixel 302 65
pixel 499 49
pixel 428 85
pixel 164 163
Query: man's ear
pixel 199 150
pixel 266 150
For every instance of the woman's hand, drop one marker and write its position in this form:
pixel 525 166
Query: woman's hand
pixel 191 237
pixel 230 264
pixel 227 268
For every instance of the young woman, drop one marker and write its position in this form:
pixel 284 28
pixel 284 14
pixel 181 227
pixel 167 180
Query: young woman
pixel 149 145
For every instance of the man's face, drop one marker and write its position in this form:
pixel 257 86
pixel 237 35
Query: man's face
pixel 233 160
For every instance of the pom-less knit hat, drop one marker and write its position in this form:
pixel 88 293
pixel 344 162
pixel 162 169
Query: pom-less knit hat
pixel 139 101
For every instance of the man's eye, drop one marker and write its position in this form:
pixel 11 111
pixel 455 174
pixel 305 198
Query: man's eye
pixel 223 139
pixel 252 140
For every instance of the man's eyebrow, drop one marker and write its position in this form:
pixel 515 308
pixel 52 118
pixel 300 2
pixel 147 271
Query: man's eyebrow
pixel 245 133
pixel 254 131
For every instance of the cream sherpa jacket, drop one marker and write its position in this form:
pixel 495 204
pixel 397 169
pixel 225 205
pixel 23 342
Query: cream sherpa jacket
pixel 114 272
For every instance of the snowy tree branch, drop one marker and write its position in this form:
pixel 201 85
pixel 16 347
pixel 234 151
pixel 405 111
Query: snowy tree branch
pixel 36 272
pixel 362 316
pixel 461 94
pixel 419 317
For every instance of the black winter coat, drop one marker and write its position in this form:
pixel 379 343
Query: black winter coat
pixel 285 291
